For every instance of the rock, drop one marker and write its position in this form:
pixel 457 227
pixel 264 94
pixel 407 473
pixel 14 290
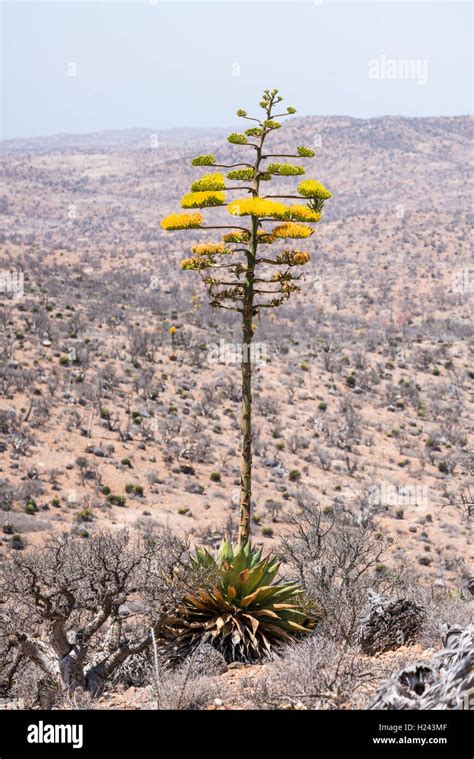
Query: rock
pixel 425 561
pixel 193 487
pixel 390 625
pixel 187 469
pixel 95 450
pixel 444 682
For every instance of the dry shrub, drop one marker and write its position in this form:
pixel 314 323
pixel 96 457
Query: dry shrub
pixel 440 612
pixel 340 563
pixel 317 673
pixel 181 690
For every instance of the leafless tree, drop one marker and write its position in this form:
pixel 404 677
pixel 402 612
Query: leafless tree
pixel 63 607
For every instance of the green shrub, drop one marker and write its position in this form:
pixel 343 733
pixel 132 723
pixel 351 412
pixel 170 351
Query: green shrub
pixel 132 489
pixel 116 500
pixel 31 507
pixel 85 515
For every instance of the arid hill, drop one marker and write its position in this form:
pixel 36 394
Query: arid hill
pixel 113 411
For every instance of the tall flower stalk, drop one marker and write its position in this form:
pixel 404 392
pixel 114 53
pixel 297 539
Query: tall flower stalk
pixel 237 272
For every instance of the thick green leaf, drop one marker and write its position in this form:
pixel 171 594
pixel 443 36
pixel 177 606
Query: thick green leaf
pixel 225 553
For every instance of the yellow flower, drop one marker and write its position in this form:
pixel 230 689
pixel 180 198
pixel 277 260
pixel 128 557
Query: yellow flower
pixel 292 230
pixel 210 249
pixel 243 174
pixel 172 330
pixel 265 238
pixel 298 213
pixel 208 182
pixel 284 169
pixel 293 257
pixel 204 160
pixel 312 189
pixel 237 237
pixel 203 199
pixel 181 221
pixel 303 213
pixel 256 207
pixel 305 152
pixel 194 263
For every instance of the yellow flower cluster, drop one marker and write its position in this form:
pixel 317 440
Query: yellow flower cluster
pixel 244 174
pixel 305 152
pixel 204 160
pixel 293 257
pixel 210 249
pixel 208 182
pixel 312 189
pixel 284 169
pixel 292 230
pixel 194 263
pixel 237 236
pixel 203 199
pixel 264 238
pixel 181 221
pixel 256 207
pixel 298 213
pixel 302 213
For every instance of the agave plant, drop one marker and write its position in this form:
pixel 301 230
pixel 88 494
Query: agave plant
pixel 242 614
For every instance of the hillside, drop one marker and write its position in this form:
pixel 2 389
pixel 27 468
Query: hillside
pixel 365 402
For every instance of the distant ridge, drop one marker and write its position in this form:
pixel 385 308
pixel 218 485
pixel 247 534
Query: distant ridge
pixel 137 138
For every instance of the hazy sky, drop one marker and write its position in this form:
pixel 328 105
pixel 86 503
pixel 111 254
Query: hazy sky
pixel 167 63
